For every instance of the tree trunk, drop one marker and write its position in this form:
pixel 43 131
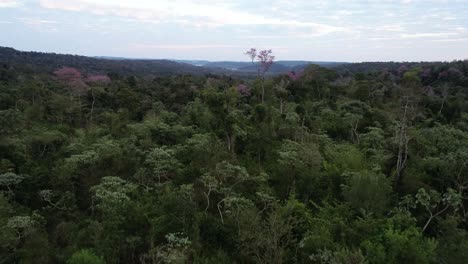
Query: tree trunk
pixel 263 89
pixel 281 105
pixel 403 141
pixel 92 107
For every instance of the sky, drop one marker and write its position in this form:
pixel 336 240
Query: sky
pixel 317 30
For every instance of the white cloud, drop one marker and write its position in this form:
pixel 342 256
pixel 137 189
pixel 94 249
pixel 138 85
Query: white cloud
pixel 41 25
pixel 36 21
pixel 208 13
pixel 181 47
pixel 434 35
pixel 428 35
pixel 391 28
pixel 9 3
pixel 451 40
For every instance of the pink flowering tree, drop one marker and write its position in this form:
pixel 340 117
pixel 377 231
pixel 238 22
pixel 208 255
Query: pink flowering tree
pixel 264 60
pixel 402 69
pixel 426 73
pixel 443 75
pixel 78 85
pixel 294 76
pixel 68 74
pixel 72 78
pixel 243 89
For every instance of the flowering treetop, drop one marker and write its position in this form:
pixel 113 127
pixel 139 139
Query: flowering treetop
pixel 265 59
pixel 68 74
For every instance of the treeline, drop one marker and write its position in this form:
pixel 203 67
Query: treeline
pixel 40 62
pixel 332 167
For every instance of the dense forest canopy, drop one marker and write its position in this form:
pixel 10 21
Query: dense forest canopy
pixel 40 62
pixel 112 161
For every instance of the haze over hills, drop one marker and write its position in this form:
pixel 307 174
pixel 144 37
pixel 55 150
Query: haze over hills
pixel 49 61
pixel 278 67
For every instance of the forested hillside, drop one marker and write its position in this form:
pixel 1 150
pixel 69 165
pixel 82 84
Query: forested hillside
pixel 40 61
pixel 103 162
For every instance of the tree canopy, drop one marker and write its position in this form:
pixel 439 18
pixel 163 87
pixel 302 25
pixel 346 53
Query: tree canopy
pixel 104 162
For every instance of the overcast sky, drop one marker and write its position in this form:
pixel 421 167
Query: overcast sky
pixel 340 30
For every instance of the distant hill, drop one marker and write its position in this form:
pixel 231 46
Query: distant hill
pixel 231 65
pixel 194 62
pixel 41 62
pixel 281 66
pixel 274 69
pixel 383 66
pixel 48 62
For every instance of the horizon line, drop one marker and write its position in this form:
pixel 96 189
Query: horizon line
pixel 246 61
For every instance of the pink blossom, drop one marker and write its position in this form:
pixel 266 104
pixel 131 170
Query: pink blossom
pixel 68 74
pixel 426 73
pixel 72 78
pixel 443 74
pixel 266 59
pixel 402 69
pixel 294 76
pixel 98 79
pixel 243 90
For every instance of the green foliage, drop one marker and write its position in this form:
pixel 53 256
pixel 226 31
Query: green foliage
pixel 368 190
pixel 453 243
pixel 10 179
pixel 112 192
pixel 85 256
pixel 399 242
pixel 152 167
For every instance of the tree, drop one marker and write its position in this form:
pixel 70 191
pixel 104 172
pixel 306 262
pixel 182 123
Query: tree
pixel 434 203
pixel 409 96
pixel 160 167
pixel 252 54
pixel 399 241
pixel 225 181
pixel 112 193
pixel 10 179
pixel 281 92
pixel 368 190
pixel 264 59
pixel 268 240
pixel 300 165
pixel 72 78
pixel 175 250
pixel 85 256
pixel 93 81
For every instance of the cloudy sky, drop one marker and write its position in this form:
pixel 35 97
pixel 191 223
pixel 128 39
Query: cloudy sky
pixel 339 30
